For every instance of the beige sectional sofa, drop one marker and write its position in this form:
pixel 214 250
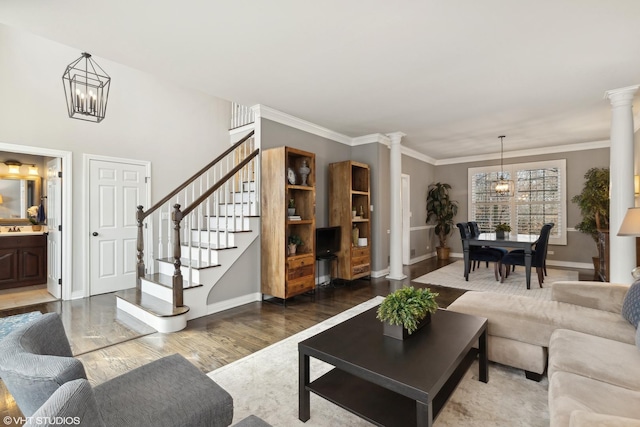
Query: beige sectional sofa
pixel 593 361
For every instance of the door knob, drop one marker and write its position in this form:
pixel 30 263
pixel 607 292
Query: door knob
pixel 95 233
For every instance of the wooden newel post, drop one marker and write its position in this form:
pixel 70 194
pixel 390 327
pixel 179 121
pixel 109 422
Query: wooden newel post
pixel 140 270
pixel 176 217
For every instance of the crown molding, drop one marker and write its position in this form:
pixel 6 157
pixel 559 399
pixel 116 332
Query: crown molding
pixel 370 139
pixel 416 155
pixel 525 153
pixel 262 111
pixel 297 123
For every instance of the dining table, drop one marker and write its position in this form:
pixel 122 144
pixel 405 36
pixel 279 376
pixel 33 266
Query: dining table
pixel 516 241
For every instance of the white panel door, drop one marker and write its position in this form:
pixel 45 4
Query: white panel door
pixel 54 221
pixel 116 189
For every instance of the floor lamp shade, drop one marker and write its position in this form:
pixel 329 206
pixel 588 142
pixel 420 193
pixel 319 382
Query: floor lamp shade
pixel 631 223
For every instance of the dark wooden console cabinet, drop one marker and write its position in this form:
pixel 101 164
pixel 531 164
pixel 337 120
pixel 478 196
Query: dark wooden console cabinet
pixel 23 260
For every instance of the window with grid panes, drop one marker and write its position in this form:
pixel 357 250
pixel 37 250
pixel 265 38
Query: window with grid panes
pixel 540 197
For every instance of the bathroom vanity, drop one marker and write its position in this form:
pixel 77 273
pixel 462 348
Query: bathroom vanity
pixel 23 259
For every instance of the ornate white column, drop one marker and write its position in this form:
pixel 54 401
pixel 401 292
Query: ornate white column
pixel 622 249
pixel 395 246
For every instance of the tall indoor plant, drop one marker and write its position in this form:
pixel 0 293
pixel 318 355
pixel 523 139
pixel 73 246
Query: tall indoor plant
pixel 441 210
pixel 593 202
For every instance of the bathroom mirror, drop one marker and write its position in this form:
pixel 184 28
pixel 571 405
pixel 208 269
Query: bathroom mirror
pixel 17 194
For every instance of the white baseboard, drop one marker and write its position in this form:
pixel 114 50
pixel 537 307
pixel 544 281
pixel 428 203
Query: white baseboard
pixel 570 264
pixel 421 258
pixel 380 273
pixel 233 302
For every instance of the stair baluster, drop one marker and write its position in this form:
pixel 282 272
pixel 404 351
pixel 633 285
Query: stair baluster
pixel 176 217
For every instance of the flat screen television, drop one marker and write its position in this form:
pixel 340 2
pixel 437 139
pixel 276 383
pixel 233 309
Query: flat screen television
pixel 327 241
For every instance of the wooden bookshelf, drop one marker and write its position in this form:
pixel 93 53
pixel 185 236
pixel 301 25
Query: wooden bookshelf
pixel 284 275
pixel 349 190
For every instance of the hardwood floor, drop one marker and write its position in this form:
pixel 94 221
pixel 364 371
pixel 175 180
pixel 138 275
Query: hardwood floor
pixel 109 344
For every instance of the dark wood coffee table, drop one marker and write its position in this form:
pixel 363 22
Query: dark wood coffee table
pixel 387 381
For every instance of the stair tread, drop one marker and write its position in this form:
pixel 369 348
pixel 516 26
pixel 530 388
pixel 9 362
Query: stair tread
pixel 206 246
pixel 151 304
pixel 231 216
pixel 224 230
pixel 185 262
pixel 167 281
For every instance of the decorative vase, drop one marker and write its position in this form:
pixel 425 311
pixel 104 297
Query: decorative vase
pixel 292 249
pixel 304 172
pixel 500 234
pixel 399 332
pixel 355 235
pixel 291 211
pixel 36 227
pixel 353 213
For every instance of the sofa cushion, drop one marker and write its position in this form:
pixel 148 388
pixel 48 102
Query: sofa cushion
pixel 631 304
pixel 72 404
pixel 167 392
pixel 590 419
pixel 533 320
pixel 570 392
pixel 594 357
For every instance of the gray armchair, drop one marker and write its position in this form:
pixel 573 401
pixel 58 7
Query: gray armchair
pixel 37 368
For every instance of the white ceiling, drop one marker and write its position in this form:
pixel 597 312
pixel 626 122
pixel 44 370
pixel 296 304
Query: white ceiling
pixel 451 74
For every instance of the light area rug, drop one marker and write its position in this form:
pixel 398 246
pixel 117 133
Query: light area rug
pixel 483 279
pixel 11 323
pixel 265 384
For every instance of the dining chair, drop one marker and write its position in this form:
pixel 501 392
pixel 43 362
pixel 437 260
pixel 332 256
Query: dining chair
pixel 474 229
pixel 479 253
pixel 545 254
pixel 538 255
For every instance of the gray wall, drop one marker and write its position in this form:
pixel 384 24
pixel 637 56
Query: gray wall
pixel 242 278
pixel 580 247
pixel 422 175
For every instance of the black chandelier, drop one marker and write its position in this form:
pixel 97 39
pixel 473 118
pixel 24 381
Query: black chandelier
pixel 86 88
pixel 503 187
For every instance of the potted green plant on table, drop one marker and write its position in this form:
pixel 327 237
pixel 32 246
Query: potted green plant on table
pixel 406 310
pixel 593 202
pixel 291 207
pixel 293 242
pixel 501 229
pixel 441 210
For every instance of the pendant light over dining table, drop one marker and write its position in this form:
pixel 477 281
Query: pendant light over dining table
pixel 503 187
pixel 86 88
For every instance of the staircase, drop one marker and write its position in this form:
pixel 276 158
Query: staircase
pixel 188 240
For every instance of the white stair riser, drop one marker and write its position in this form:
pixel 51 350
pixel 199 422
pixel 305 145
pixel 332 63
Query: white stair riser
pixel 158 291
pixel 161 324
pixel 238 209
pixel 167 268
pixel 226 223
pixel 249 186
pixel 222 237
pixel 244 197
pixel 210 256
